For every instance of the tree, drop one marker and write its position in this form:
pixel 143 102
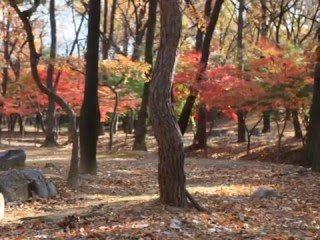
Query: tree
pixel 187 108
pixel 141 128
pixel 241 114
pixel 50 139
pixel 90 114
pixel 313 131
pixel 118 74
pixel 171 176
pixel 34 60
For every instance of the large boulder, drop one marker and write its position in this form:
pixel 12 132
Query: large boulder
pixel 38 185
pixel 21 185
pixel 12 159
pixel 14 186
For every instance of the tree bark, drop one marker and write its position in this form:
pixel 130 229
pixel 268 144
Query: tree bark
pixel 34 59
pixel 171 176
pixel 296 124
pixel 241 126
pixel 50 138
pixel 108 45
pixel 264 29
pixel 90 114
pixel 187 108
pixel 266 122
pixel 200 31
pixel 104 30
pixel 141 128
pixel 112 129
pixel 200 138
pixel 313 130
pixel 241 113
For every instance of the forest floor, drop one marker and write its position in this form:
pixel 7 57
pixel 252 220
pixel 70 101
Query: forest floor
pixel 120 202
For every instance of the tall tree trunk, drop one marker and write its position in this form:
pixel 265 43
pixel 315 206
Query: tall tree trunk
pixel 34 60
pixel 108 45
pixel 6 52
pixel 171 176
pixel 139 32
pixel 200 138
pixel 200 31
pixel 141 128
pixel 187 108
pixel 90 113
pixel 241 113
pixel 313 130
pixel 296 124
pixel 50 139
pixel 264 29
pixel 104 30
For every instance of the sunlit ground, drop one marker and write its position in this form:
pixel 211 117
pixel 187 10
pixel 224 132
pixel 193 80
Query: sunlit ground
pixel 121 202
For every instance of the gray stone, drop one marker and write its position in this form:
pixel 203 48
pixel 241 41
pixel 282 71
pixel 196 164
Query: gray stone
pixel 38 189
pixel 32 174
pixel 21 185
pixel 12 159
pixel 38 185
pixel 51 189
pixel 14 186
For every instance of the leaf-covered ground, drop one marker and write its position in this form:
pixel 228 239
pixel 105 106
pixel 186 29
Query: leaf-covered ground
pixel 121 201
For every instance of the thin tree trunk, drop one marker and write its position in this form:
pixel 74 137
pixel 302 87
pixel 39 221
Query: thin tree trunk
pixel 50 138
pixel 200 138
pixel 90 113
pixel 264 37
pixel 241 113
pixel 104 31
pixel 266 121
pixel 200 30
pixel 107 48
pixel 114 119
pixel 187 108
pixel 34 60
pixel 241 126
pixel 296 124
pixel 141 128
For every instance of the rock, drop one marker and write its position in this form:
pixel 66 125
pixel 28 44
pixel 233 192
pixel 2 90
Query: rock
pixel 21 185
pixel 51 189
pixel 14 186
pixel 38 189
pixel 38 185
pixel 265 193
pixel 2 206
pixel 33 174
pixel 12 159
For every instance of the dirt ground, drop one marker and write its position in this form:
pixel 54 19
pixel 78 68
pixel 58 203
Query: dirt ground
pixel 120 202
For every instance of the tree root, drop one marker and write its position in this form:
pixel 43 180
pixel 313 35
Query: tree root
pixel 196 204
